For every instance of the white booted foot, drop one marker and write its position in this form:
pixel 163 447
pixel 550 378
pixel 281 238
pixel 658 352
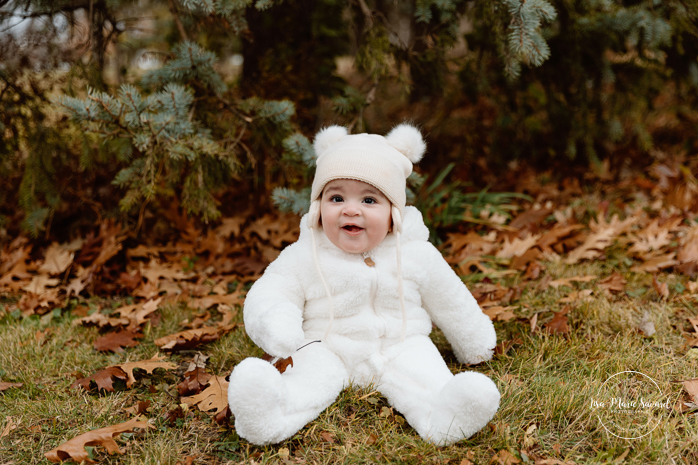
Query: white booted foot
pixel 257 398
pixel 462 407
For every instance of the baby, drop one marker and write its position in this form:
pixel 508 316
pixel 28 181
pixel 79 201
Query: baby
pixel 353 303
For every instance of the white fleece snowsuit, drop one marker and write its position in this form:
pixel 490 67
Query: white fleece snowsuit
pixel 288 307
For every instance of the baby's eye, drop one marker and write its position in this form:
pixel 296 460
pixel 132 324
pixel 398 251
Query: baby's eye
pixel 336 198
pixel 370 200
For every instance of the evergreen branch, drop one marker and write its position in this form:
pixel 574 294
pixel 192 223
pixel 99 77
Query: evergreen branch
pixel 116 120
pixel 234 110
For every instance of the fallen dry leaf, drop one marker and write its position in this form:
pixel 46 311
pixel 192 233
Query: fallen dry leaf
pixel 75 448
pixel 198 361
pixel 327 437
pixel 499 313
pixel 103 379
pixel 517 247
pixel 662 289
pixel 5 386
pixel 550 238
pixel 568 281
pixel 57 260
pixel 75 286
pixel 223 417
pixel 692 286
pixel 155 270
pixel 147 365
pixel 691 386
pixel 39 283
pixel 194 337
pixel 138 314
pixel 189 339
pixel 230 226
pixel 577 296
pixel 194 382
pixel 694 323
pixel 614 283
pixel 533 270
pixel 214 398
pixel 655 264
pixel 652 238
pixel 101 320
pixel 504 346
pixel 647 325
pixel 592 246
pixel 9 426
pixel 280 364
pixel 115 342
pixel 558 325
pixel 209 301
pixel 139 408
pixel 504 457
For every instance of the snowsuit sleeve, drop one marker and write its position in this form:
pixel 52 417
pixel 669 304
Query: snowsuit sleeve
pixel 455 311
pixel 273 311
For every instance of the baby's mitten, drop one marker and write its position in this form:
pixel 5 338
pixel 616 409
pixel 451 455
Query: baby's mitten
pixel 281 331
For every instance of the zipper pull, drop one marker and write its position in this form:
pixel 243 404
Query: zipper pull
pixel 367 259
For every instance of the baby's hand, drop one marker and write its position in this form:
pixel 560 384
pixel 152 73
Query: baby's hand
pixel 284 335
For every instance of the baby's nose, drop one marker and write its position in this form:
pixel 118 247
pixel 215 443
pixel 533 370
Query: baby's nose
pixel 351 209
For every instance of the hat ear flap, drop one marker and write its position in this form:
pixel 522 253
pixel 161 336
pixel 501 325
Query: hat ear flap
pixel 328 137
pixel 397 218
pixel 314 214
pixel 407 140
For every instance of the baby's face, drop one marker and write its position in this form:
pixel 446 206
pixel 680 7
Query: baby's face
pixel 354 215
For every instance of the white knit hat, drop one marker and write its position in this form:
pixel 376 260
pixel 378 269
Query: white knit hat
pixel 383 162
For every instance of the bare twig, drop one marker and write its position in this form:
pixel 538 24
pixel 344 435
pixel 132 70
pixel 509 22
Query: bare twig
pixel 366 11
pixel 178 20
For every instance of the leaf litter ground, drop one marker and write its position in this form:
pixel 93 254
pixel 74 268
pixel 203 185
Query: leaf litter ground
pixel 107 348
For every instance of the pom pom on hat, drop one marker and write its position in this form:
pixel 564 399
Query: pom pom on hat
pixel 328 137
pixel 407 140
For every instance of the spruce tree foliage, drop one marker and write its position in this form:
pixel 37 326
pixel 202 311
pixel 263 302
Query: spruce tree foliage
pixel 163 133
pixel 561 78
pixel 156 139
pixel 608 60
pixel 379 50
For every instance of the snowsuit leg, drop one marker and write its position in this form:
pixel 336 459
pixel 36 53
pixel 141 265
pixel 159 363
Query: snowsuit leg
pixel 441 407
pixel 270 407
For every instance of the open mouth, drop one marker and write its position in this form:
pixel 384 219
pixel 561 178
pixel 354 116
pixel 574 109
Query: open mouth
pixel 352 228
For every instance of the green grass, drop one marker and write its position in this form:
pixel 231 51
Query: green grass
pixel 547 381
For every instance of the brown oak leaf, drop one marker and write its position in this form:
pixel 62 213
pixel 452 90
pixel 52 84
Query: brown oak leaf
pixel 188 339
pixel 139 408
pixel 568 281
pixel 57 259
pixel 138 314
pixel 194 382
pixel 662 289
pixel 614 283
pixel 691 386
pixel 280 364
pixel 657 263
pixel 75 448
pixel 4 386
pixel 213 399
pixel 223 417
pixel 115 342
pixel 103 379
pixel 558 325
pixel 147 365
